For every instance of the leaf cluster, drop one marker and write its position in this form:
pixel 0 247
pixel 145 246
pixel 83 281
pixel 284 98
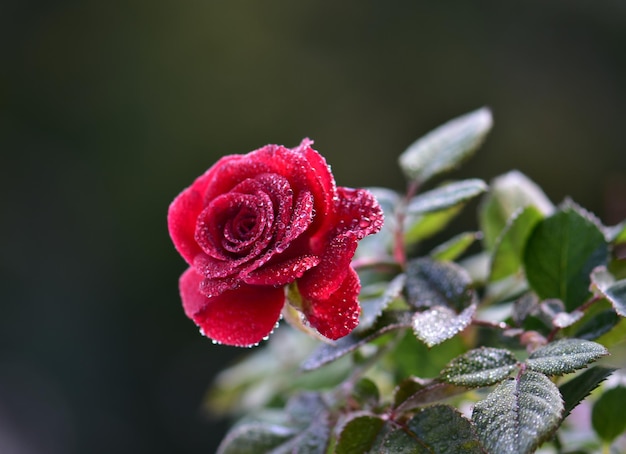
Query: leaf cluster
pixel 465 348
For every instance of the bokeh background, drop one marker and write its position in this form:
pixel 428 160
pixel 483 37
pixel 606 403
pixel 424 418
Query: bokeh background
pixel 109 108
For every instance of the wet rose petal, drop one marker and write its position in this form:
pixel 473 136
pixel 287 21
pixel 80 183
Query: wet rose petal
pixel 337 315
pixel 241 317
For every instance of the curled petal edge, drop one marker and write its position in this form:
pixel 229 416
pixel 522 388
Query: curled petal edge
pixel 242 317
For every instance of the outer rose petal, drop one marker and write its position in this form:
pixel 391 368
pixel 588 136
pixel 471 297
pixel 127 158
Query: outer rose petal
pixel 338 315
pixel 241 317
pixel 323 280
pixel 359 212
pixel 184 210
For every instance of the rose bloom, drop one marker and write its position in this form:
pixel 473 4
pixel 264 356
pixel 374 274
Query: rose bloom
pixel 253 224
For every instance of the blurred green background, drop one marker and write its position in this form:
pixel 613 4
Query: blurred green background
pixel 108 109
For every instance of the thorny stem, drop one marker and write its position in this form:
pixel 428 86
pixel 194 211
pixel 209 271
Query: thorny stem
pixel 399 252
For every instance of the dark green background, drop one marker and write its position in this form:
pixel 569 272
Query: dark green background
pixel 109 108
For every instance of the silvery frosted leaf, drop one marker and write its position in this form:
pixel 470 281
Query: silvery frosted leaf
pixel 447 146
pixel 440 323
pixel 604 283
pixel 480 367
pixel 434 283
pixel 565 356
pixel 446 196
pixel 519 414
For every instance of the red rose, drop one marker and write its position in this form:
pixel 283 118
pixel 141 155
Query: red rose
pixel 254 223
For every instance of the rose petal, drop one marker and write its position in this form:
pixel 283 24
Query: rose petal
pixel 323 176
pixel 218 237
pixel 337 315
pixel 281 273
pixel 184 210
pixel 241 317
pixel 181 223
pixel 215 287
pixel 358 211
pixel 300 220
pixel 324 279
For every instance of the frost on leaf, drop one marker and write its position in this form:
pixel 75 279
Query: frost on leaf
pixel 446 196
pixel 446 146
pixel 305 426
pixel 481 367
pixel 603 283
pixel 519 414
pixel 565 356
pixel 436 429
pixel 433 283
pixel 440 323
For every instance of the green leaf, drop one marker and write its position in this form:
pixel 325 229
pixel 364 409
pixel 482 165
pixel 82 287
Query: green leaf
pixel 613 291
pixel 366 393
pixel 412 357
pixel 565 356
pixel 446 147
pixel 519 414
pixel 449 195
pixel 433 283
pixel 608 416
pixel 508 194
pixel 440 323
pixel 326 353
pixel 561 253
pixel 509 248
pixel 303 429
pixel 597 325
pixel 454 247
pixel 372 308
pixel 436 429
pixel 413 393
pixel 445 289
pixel 480 367
pixel 420 227
pixel 565 319
pixel 358 433
pixel 579 387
